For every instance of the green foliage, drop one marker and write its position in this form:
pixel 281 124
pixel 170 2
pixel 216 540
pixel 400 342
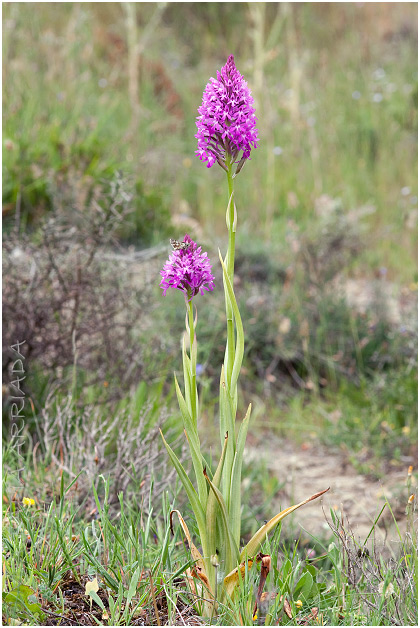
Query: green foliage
pixel 22 602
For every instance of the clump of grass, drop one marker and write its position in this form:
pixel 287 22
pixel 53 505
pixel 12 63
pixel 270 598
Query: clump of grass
pixel 120 442
pixel 136 572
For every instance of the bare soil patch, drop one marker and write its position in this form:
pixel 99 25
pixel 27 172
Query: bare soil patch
pixel 306 470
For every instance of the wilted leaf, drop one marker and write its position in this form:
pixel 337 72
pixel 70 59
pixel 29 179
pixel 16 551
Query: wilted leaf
pixel 287 608
pixel 231 580
pixel 199 569
pixel 265 568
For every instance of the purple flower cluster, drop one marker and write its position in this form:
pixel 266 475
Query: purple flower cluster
pixel 226 124
pixel 187 269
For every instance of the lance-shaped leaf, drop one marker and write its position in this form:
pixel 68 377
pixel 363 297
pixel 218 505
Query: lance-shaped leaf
pixel 239 350
pixel 228 214
pixel 231 550
pixel 183 406
pixel 222 411
pixel 212 508
pixel 260 535
pixel 230 337
pixel 227 419
pixel 192 362
pixel 194 443
pixel 235 480
pixel 191 494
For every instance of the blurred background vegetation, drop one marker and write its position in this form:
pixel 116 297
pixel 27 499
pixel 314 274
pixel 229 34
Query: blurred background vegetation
pixel 99 107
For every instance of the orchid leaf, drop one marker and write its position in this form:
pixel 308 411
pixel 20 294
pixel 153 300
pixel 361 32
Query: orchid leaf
pixel 185 410
pixel 212 505
pixel 259 537
pixel 199 569
pixel 229 423
pixel 194 444
pixel 195 553
pixel 186 365
pixel 191 494
pixel 231 551
pixel 235 480
pixel 239 350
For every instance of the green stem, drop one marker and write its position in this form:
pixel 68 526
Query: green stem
pixel 232 226
pixel 230 266
pixel 193 357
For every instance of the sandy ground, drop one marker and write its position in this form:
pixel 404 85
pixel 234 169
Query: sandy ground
pixel 307 471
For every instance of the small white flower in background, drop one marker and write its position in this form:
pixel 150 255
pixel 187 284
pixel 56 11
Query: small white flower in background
pixel 379 74
pixel 388 591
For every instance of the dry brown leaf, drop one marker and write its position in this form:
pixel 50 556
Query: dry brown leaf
pixel 232 578
pixel 287 608
pixel 304 621
pixel 265 569
pixel 198 570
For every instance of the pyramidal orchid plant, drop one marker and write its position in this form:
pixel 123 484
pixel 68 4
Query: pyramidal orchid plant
pixel 226 135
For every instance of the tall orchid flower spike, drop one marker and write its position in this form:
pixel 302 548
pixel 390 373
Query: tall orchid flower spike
pixel 226 134
pixel 226 126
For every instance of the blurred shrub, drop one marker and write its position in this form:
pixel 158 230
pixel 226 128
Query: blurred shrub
pixel 75 308
pixel 35 168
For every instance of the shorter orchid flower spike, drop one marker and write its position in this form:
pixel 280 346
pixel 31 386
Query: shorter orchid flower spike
pixel 187 269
